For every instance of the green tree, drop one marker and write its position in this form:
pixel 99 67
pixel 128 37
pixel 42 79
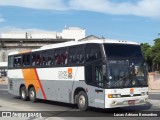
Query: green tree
pixel 147 52
pixel 145 47
pixel 156 54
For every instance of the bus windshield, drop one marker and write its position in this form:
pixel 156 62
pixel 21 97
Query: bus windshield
pixel 122 50
pixel 125 66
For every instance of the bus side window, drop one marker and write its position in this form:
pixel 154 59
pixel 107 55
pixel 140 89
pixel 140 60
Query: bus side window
pixel 33 59
pixel 17 61
pixel 64 56
pixel 51 57
pixel 92 53
pixel 44 58
pixel 38 59
pixel 11 62
pixel 49 60
pixel 98 76
pixel 76 55
pixel 26 60
pixel 80 55
pixel 57 57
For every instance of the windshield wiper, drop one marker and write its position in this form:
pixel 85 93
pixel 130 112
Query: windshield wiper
pixel 121 79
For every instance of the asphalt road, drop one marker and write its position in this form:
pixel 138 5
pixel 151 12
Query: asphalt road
pixel 13 103
pixel 154 96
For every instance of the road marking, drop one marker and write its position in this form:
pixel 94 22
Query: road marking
pixel 155 103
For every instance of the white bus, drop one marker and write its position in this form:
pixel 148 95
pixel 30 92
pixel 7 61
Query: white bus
pixel 96 73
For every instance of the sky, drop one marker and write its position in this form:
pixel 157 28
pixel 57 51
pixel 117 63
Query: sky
pixel 133 20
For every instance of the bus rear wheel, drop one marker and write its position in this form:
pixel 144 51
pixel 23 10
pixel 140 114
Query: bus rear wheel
pixel 82 101
pixel 32 94
pixel 23 93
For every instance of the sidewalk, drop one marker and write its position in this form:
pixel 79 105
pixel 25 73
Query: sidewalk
pixel 154 91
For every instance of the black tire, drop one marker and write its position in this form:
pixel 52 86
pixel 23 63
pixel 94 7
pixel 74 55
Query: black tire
pixel 82 101
pixel 23 93
pixel 32 95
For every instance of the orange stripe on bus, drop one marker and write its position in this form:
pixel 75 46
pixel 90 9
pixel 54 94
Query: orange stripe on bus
pixel 31 78
pixel 44 95
pixel 24 51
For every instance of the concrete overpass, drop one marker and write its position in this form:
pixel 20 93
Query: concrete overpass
pixel 9 44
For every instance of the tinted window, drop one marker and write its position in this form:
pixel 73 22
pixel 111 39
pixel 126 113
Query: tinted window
pixel 121 50
pixel 57 57
pixel 44 58
pixel 61 56
pixel 64 56
pixel 98 76
pixel 33 59
pixel 10 61
pixel 17 61
pixel 76 55
pixel 38 59
pixel 92 53
pixel 88 74
pixel 26 60
pixel 50 57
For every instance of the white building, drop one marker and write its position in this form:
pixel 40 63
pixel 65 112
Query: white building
pixel 73 33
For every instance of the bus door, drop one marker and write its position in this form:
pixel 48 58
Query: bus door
pixel 99 92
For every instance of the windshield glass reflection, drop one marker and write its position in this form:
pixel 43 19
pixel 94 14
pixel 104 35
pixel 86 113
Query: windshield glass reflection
pixel 125 73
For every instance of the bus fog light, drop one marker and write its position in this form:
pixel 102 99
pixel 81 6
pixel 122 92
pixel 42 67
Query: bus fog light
pixel 114 103
pixel 145 100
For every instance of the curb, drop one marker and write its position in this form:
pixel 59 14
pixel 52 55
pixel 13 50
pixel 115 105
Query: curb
pixel 154 91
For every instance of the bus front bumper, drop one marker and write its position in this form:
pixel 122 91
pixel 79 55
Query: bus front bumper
pixel 127 101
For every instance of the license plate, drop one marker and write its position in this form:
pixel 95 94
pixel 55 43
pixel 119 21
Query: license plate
pixel 131 102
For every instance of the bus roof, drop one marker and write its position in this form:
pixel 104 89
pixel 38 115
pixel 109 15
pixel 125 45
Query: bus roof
pixel 72 43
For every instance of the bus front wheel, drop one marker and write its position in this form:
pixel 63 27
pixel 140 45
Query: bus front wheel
pixel 82 101
pixel 23 93
pixel 32 94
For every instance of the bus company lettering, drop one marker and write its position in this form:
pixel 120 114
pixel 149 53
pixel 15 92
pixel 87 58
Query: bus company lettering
pixel 65 74
pixel 62 75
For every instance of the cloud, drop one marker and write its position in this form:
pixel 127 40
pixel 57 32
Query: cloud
pixel 12 28
pixel 35 4
pixel 146 8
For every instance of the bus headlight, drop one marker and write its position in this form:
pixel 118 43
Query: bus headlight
pixel 114 95
pixel 118 95
pixel 110 96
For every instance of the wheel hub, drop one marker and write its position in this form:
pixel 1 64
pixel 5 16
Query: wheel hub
pixel 23 94
pixel 32 94
pixel 82 101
